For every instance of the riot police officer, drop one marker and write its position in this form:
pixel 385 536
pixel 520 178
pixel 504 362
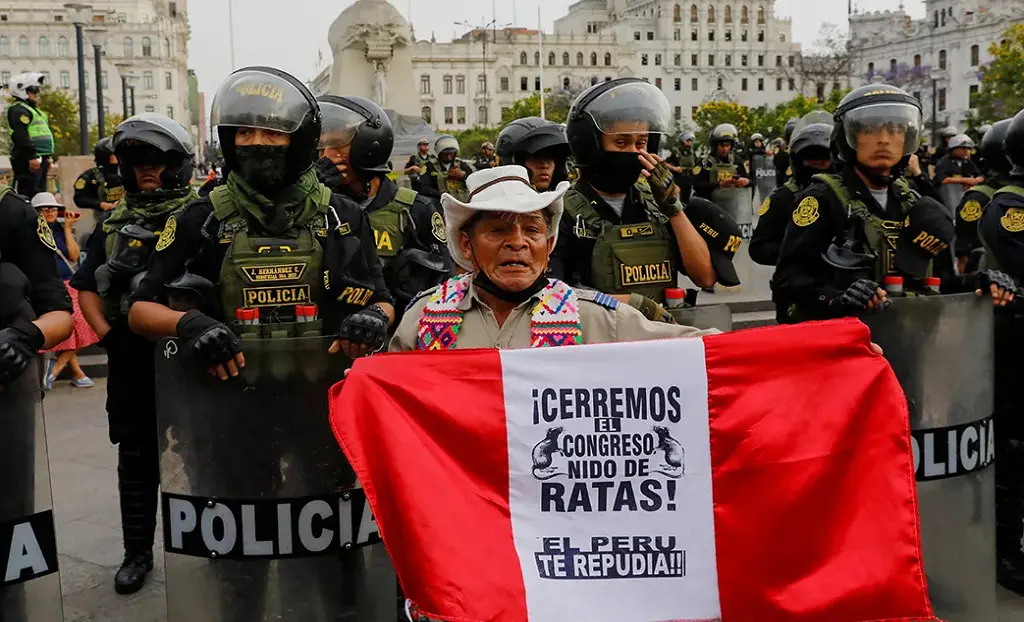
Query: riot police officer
pixel 356 144
pixel 156 157
pixel 486 158
pixel 417 164
pixel 31 137
pixel 620 235
pixel 781 161
pixel 757 144
pixel 976 199
pixel 851 230
pixel 810 154
pixel 723 179
pixel 945 135
pixel 978 136
pixel 681 162
pixel 445 172
pixel 538 145
pixel 955 173
pixel 270 241
pixel 100 187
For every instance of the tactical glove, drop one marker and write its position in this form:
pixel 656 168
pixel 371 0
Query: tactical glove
pixel 664 189
pixel 211 341
pixel 19 343
pixel 327 172
pixel 858 295
pixel 367 327
pixel 1001 280
pixel 650 309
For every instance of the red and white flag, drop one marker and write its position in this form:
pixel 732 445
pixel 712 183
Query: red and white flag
pixel 757 476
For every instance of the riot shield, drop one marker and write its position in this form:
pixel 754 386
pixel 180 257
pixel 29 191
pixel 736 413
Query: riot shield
pixel 764 177
pixel 30 590
pixel 951 195
pixel 704 317
pixel 263 517
pixel 941 348
pixel 738 203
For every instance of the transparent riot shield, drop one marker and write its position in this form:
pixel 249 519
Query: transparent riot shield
pixel 30 587
pixel 951 195
pixel 704 317
pixel 941 348
pixel 738 202
pixel 263 518
pixel 764 177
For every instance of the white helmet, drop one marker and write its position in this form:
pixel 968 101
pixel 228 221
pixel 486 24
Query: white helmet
pixel 19 84
pixel 961 140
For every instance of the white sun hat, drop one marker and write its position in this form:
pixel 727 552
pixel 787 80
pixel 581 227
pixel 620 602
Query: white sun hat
pixel 499 189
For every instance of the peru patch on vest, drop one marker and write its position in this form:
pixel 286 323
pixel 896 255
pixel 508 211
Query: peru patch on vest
pixel 28 548
pixel 647 274
pixel 275 296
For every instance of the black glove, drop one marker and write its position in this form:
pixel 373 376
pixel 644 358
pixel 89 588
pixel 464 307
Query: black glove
pixel 211 341
pixel 664 189
pixel 327 172
pixel 368 327
pixel 994 277
pixel 19 343
pixel 858 295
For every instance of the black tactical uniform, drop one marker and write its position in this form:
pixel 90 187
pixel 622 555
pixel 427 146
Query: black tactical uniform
pixel 483 160
pixel 976 200
pixel 119 251
pixel 533 136
pixel 783 171
pixel 101 183
pixel 684 157
pixel 714 170
pixel 409 230
pixel 436 180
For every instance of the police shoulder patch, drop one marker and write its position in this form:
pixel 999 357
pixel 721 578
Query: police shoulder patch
pixel 79 184
pixel 697 169
pixel 765 206
pixel 167 235
pixel 437 227
pixel 25 119
pixel 45 233
pixel 806 213
pixel 1013 220
pixel 971 211
pixel 596 297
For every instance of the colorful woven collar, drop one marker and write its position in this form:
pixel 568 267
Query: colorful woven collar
pixel 555 320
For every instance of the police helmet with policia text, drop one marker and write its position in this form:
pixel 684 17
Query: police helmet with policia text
pixel 992 148
pixel 927 233
pixel 102 150
pixel 154 139
pixel 871 107
pixel 620 106
pixel 361 123
pixel 24 83
pixel 724 133
pixel 269 99
pixel 530 136
pixel 722 235
pixel 1013 143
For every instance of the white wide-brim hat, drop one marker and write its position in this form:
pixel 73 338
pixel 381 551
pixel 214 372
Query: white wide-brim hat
pixel 499 189
pixel 45 199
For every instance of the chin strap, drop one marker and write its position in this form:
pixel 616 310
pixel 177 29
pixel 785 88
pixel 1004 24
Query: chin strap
pixel 484 282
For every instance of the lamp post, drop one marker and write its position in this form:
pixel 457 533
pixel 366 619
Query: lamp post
pixel 122 70
pixel 96 39
pixel 131 92
pixel 80 15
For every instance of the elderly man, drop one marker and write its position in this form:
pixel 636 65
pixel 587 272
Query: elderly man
pixel 503 236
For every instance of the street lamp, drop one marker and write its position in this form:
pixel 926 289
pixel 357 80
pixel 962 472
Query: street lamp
pixel 122 70
pixel 81 14
pixel 96 39
pixel 937 75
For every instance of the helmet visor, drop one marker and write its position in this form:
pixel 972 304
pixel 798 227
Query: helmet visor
pixel 897 123
pixel 260 100
pixel 631 108
pixel 339 125
pixel 446 143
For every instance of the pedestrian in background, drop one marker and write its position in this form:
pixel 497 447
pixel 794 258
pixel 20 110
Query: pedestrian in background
pixel 68 253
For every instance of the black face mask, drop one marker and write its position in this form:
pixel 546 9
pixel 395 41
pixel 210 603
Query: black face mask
pixel 265 167
pixel 615 172
pixel 484 282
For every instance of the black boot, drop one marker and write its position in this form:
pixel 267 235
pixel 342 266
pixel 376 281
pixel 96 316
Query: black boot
pixel 132 575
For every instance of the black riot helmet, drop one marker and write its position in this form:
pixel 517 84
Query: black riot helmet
pixel 724 133
pixel 790 127
pixel 153 139
pixel 992 147
pixel 529 136
pixel 358 122
pixel 102 151
pixel 1013 143
pixel 811 138
pixel 269 99
pixel 621 106
pixel 871 107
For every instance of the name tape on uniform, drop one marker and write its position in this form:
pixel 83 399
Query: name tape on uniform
pixel 29 548
pixel 941 453
pixel 267 528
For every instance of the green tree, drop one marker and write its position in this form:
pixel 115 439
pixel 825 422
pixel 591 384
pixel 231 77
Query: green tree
pixel 1001 95
pixel 110 124
pixel 471 139
pixel 714 113
pixel 556 106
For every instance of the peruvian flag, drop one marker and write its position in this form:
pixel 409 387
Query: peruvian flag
pixel 758 476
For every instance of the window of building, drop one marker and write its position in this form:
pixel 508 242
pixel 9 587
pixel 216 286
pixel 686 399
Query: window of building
pixel 565 58
pixel 172 9
pixel 460 85
pixel 678 85
pixel 943 17
pixel 744 15
pixel 760 36
pixel 481 115
pixel 23 46
pixel 917 60
pixel 446 85
pixel 694 15
pixel 636 35
pixel 170 112
pixel 536 59
pixel 693 60
pixel 44 46
pixel 676 36
pixel 972 96
pixel 694 35
pixel 551 59
pixel 523 58
pixel 65 79
pixel 650 35
pixel 721 83
pixel 425 84
pixel 760 84
pixel 147 80
pixel 167 48
pixel 778 60
pixel 792 60
pixel 728 35
pixel 942 98
pixel 711 35
pixel 147 47
pixel 5 77
pixel 693 111
pixel 936 25
pixel 743 36
pixel 449 115
pixel 524 84
pixel 657 82
pixel 728 14
pixel 792 84
pixel 593 59
pixel 122 18
pixel 711 60
pixel 892 64
pixel 760 60
pixel 743 84
pixel 694 84
pixel 150 108
pixel 657 60
pixel 5 48
pixel 607 59
pixel 168 81
pixel 3 17
pixel 677 60
pixel 711 14
pixel 504 85
pixel 975 55
pixel 728 60
pixel 871 69
pixel 778 84
pixel 536 83
pixel 760 15
pixel 427 114
pixel 565 84
pixel 579 59
pixel 677 13
pixel 782 37
pixel 63 48
pixel 678 113
pixel 744 60
pixel 460 115
pixel 504 111
pixel 643 59
pixel 128 47
pixel 942 59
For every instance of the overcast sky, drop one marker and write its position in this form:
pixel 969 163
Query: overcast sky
pixel 290 34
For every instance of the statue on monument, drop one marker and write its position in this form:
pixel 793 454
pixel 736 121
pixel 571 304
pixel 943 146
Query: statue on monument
pixel 380 84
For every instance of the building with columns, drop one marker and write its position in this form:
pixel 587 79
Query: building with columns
pixel 937 58
pixel 144 39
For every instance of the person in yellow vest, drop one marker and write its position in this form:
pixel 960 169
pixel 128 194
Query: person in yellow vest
pixel 31 138
pixel 355 146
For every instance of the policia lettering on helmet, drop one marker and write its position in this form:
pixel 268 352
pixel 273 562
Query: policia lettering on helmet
pixel 783 170
pixel 851 230
pixel 810 154
pixel 621 235
pixel 445 172
pixel 31 138
pixel 681 161
pixel 155 156
pixel 538 145
pixel 271 213
pixel 100 188
pixel 975 201
pixel 355 147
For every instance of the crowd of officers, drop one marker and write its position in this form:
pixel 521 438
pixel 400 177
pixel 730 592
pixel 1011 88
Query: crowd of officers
pixel 307 180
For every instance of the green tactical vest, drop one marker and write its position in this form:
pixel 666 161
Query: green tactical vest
pixel 627 259
pixel 38 129
pixel 791 186
pixel 687 160
pixel 991 261
pixel 117 299
pixel 270 274
pixel 391 222
pixel 882 235
pixel 455 187
pixel 107 194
